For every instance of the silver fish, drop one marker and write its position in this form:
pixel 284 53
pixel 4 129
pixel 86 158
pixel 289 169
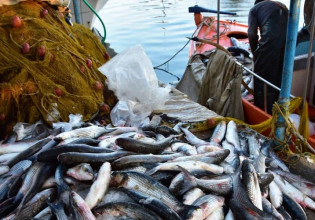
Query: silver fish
pixel 218 133
pixel 300 183
pixel 134 145
pixel 119 130
pixel 81 209
pixel 192 139
pixel 220 186
pixel 254 146
pixel 28 179
pixel 268 207
pixel 141 182
pixel 92 158
pixel 240 203
pixel 152 158
pixel 293 208
pixel 210 157
pixel 17 169
pixel 153 204
pixel 260 163
pixel 28 152
pixel 86 132
pixel 188 165
pixel 232 135
pixel 233 157
pixel 99 186
pixel 183 147
pixel 125 210
pixel 15 147
pixel 275 161
pixel 250 181
pixel 108 141
pixel 37 203
pixel 208 148
pixel 293 192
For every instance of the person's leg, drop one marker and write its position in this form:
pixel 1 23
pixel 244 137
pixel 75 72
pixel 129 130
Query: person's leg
pixel 272 97
pixel 258 93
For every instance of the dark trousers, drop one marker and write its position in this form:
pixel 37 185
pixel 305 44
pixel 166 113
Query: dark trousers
pixel 259 95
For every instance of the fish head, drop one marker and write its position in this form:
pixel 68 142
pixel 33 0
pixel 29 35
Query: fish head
pixel 118 178
pixel 82 171
pixel 247 167
pixel 86 171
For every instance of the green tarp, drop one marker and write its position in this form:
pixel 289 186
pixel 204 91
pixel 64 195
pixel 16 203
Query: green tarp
pixel 217 85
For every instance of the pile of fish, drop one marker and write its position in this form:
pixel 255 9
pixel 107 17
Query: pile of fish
pixel 148 172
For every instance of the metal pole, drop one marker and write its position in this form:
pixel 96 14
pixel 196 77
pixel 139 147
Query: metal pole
pixel 287 72
pixel 218 22
pixel 76 8
pixel 260 78
pixel 309 58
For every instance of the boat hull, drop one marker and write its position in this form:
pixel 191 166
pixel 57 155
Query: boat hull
pixel 207 29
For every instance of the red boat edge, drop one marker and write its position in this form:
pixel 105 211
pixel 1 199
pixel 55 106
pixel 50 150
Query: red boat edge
pixel 254 115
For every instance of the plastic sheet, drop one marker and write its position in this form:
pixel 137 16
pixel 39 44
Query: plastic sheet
pixel 131 77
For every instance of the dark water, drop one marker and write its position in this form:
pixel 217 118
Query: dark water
pixel 161 27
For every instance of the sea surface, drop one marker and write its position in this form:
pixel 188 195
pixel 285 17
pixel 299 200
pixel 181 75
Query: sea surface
pixel 161 27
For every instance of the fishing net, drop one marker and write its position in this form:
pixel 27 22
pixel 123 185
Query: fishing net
pixel 48 69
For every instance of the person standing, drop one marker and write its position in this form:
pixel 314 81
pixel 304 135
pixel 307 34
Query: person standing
pixel 268 51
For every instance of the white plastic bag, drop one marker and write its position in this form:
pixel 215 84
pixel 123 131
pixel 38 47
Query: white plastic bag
pixel 131 77
pixel 295 119
pixel 125 113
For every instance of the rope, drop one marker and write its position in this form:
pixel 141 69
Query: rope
pixel 291 128
pixel 90 7
pixel 172 74
pixel 172 56
pixel 167 72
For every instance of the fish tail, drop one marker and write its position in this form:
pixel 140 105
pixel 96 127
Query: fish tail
pixel 190 212
pixel 189 181
pixel 55 207
pixel 18 197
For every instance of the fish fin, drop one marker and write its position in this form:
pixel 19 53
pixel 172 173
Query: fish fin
pixel 18 197
pixel 58 139
pixel 19 208
pixel 55 207
pixel 189 181
pixel 152 171
pixel 242 152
